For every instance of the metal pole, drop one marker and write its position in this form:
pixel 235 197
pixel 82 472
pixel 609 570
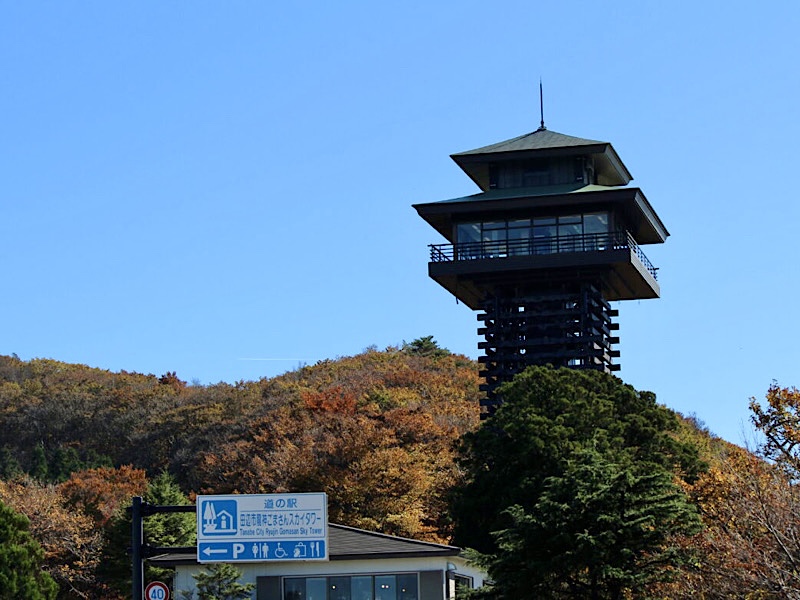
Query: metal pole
pixel 137 539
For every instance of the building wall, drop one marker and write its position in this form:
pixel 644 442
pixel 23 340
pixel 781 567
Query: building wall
pixel 252 571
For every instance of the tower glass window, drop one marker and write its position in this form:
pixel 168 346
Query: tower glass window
pixel 519 235
pixel 545 234
pixel 495 235
pixel 540 235
pixel 595 228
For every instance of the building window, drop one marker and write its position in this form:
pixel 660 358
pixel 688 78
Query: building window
pixel 407 587
pixel 339 588
pixel 294 589
pixel 540 235
pixel 361 588
pixel 463 583
pixel 357 587
pixel 385 587
pixel 538 173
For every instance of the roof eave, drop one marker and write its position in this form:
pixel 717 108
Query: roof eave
pixel 394 555
pixel 439 215
pixel 617 164
pixel 475 164
pixel 173 560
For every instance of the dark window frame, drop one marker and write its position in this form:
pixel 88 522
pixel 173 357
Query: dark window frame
pixel 295 583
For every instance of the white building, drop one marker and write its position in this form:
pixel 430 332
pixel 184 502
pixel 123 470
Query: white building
pixel 362 565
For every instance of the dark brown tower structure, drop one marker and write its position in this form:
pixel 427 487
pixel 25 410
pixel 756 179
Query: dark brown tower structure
pixel 553 236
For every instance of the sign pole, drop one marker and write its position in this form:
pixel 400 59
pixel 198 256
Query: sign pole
pixel 137 539
pixel 140 551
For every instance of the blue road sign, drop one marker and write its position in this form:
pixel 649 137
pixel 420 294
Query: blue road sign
pixel 262 550
pixel 262 527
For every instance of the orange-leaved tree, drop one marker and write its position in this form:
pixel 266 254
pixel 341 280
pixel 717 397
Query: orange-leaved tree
pixel 71 542
pixel 779 421
pixel 750 505
pixel 103 491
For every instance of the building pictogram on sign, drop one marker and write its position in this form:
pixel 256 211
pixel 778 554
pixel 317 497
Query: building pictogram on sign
pixel 219 517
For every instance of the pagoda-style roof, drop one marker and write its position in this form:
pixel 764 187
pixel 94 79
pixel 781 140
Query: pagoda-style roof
pixel 641 220
pixel 537 140
pixel 544 143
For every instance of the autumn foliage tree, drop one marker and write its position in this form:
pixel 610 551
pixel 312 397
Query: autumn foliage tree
pixel 374 431
pixel 101 492
pixel 71 542
pixel 749 503
pixel 779 422
pixel 387 472
pixel 749 547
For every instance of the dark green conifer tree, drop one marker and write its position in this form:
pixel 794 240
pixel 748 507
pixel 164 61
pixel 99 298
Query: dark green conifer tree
pixel 9 466
pixel 161 530
pixel 220 581
pixel 571 489
pixel 39 468
pixel 21 574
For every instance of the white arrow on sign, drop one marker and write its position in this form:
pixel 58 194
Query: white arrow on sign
pixel 209 551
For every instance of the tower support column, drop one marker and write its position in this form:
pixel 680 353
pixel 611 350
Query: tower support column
pixel 561 326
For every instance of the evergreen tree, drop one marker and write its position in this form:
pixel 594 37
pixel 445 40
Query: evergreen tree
pixel 21 574
pixel 38 468
pixel 219 581
pixel 425 346
pixel 9 466
pixel 160 529
pixel 570 491
pixel 66 461
pixel 168 529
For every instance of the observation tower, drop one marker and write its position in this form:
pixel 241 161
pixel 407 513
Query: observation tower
pixel 553 236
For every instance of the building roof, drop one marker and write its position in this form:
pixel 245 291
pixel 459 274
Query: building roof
pixel 523 192
pixel 345 543
pixel 349 542
pixel 642 221
pixel 539 144
pixel 536 140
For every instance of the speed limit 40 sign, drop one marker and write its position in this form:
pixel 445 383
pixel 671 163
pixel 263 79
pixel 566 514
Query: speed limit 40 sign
pixel 156 591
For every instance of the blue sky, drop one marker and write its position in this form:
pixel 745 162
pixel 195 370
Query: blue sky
pixel 224 189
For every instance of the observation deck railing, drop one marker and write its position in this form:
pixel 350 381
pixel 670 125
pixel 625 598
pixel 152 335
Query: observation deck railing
pixel 589 242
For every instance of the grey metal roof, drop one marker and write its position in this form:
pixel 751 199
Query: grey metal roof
pixel 609 169
pixel 552 190
pixel 540 139
pixel 641 220
pixel 348 543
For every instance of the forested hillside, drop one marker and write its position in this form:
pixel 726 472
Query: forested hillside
pixel 375 431
pixel 383 433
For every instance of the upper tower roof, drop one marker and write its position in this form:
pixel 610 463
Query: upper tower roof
pixel 544 143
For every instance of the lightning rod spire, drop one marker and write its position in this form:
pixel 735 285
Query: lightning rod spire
pixel 541 106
